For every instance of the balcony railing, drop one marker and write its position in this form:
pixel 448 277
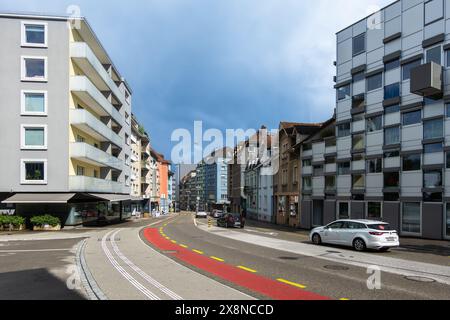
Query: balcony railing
pixel 89 184
pixel 86 122
pixel 90 154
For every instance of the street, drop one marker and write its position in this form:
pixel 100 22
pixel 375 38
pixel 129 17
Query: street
pixel 180 258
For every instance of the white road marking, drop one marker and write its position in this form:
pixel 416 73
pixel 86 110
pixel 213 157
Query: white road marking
pixel 125 274
pixel 27 251
pixel 149 279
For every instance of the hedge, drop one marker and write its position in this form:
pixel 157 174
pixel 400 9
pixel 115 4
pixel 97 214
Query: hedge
pixel 15 221
pixel 47 219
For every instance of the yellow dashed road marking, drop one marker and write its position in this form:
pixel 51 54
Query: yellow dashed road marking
pixel 247 269
pixel 173 241
pixel 184 246
pixel 292 283
pixel 344 299
pixel 217 259
pixel 198 251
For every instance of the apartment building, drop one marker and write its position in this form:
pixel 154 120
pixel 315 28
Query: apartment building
pixel 189 191
pixel 287 185
pixel 392 120
pixel 140 168
pixel 65 122
pixel 155 189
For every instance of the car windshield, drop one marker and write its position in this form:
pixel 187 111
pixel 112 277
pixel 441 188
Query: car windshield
pixel 380 226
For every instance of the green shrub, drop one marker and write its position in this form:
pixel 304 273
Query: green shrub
pixel 41 221
pixel 15 221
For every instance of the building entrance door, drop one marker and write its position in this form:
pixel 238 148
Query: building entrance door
pixel 317 213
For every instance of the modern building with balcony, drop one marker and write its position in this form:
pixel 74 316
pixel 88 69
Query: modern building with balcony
pixel 66 113
pixel 392 123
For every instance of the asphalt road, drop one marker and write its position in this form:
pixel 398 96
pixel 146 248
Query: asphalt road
pixel 317 275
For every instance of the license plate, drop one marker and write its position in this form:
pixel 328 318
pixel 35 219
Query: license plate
pixel 391 239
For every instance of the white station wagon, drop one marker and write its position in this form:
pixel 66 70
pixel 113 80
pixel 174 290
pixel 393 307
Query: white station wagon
pixel 359 234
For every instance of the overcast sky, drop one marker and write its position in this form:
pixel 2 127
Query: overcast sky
pixel 231 63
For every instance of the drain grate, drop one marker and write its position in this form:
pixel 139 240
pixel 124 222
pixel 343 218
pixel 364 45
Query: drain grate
pixel 420 279
pixel 336 268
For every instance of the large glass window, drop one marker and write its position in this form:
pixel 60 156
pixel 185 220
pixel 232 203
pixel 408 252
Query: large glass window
pixel 358 142
pixel 358 101
pixel 374 124
pixel 433 129
pixel 344 168
pixel 343 130
pixel 34 35
pixel 412 162
pixel 448 58
pixel 359 181
pixel 392 180
pixel 434 55
pixel 433 148
pixel 392 135
pixel 394 64
pixel 307 183
pixel 432 179
pixel 413 117
pixel 359 76
pixel 411 217
pixel 343 92
pixel 307 163
pixel 375 82
pixel 392 109
pixel 375 165
pixel 359 44
pixel 34 102
pixel 374 210
pixel 318 170
pixel 392 91
pixel 408 67
pixel 330 182
pixel 34 69
pixel 343 210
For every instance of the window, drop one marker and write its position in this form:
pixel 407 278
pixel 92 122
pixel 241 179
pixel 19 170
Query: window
pixel 359 76
pixel 413 117
pixel 358 142
pixel 448 58
pixel 344 168
pixel 358 157
pixel 34 172
pixel 330 143
pixel 34 137
pixel 359 44
pixel 343 210
pixel 433 148
pixel 392 136
pixel 330 160
pixel 448 160
pixel 392 180
pixel 432 179
pixel 412 162
pixel 391 65
pixel 375 82
pixel 434 11
pixel 358 181
pixel 330 183
pixel 34 34
pixel 306 147
pixel 34 69
pixel 343 92
pixel 375 165
pixel 307 163
pixel 374 124
pixel 307 183
pixel 411 217
pixel 374 210
pixel 358 117
pixel 318 170
pixel 392 109
pixel 435 55
pixel 34 103
pixel 343 130
pixel 80 171
pixel 392 91
pixel 95 174
pixel 358 101
pixel 408 67
pixel 433 129
pixel 295 175
pixel 447 220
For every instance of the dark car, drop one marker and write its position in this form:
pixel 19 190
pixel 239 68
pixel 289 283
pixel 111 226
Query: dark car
pixel 231 220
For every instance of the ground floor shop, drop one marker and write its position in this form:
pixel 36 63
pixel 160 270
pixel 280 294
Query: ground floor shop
pixel 287 210
pixel 410 217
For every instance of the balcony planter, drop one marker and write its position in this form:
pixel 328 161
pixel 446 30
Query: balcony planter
pixel 45 223
pixel 12 223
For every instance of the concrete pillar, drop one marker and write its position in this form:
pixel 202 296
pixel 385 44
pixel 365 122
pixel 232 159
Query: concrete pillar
pixel 329 212
pixel 358 210
pixel 391 214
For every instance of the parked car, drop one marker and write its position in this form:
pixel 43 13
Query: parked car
pixel 231 220
pixel 201 214
pixel 216 214
pixel 359 234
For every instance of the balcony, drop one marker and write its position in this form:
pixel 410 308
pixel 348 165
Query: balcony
pixel 85 90
pixel 85 58
pixel 86 122
pixel 426 80
pixel 134 158
pixel 145 180
pixel 94 185
pixel 145 165
pixel 92 155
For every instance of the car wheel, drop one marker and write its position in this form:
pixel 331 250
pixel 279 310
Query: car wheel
pixel 359 245
pixel 317 240
pixel 384 249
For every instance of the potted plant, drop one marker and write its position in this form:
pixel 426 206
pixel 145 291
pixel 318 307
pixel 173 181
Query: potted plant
pixel 12 223
pixel 46 223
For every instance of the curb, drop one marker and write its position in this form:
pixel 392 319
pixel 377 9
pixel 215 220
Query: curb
pixel 87 280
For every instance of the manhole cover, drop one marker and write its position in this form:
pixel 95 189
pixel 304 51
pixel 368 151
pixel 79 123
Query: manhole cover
pixel 170 252
pixel 336 268
pixel 420 279
pixel 288 258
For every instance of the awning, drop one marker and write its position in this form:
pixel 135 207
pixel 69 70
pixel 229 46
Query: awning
pixel 112 197
pixel 47 198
